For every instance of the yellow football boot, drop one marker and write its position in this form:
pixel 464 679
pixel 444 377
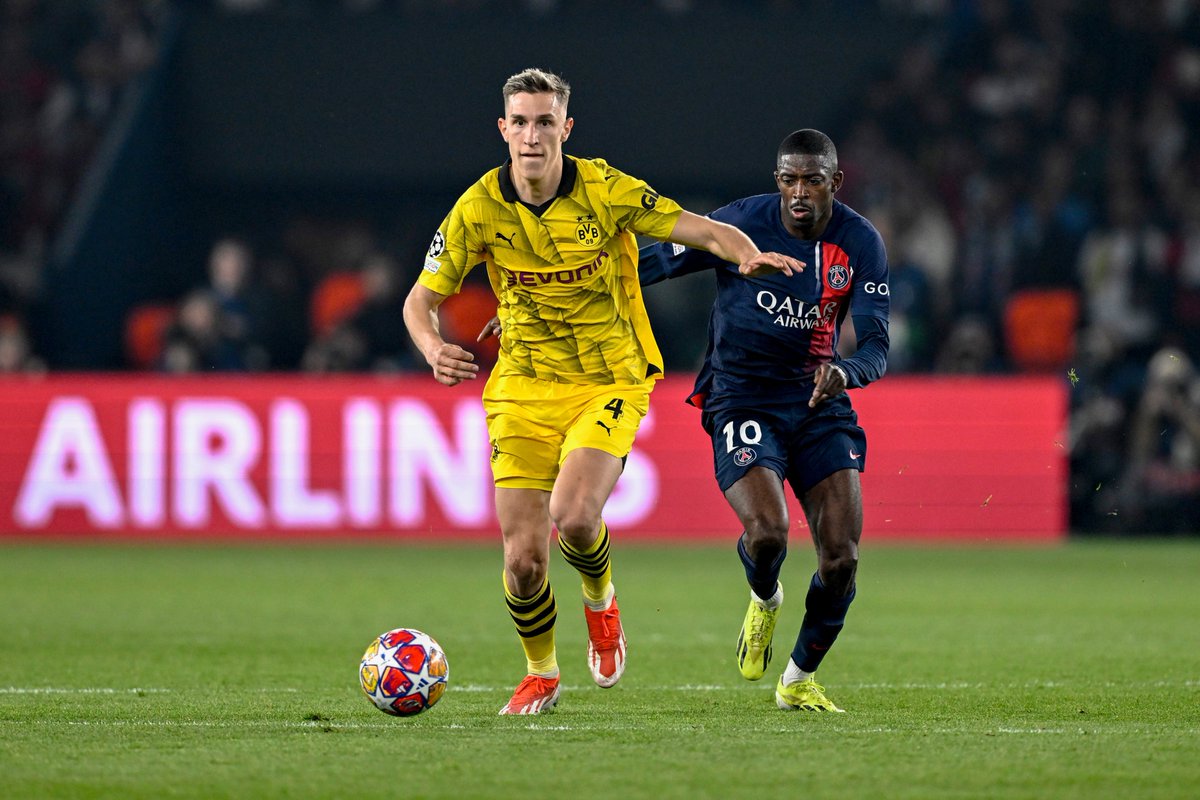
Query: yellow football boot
pixel 803 696
pixel 754 639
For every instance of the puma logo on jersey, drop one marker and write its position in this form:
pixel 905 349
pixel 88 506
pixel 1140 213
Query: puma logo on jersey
pixel 607 429
pixel 508 239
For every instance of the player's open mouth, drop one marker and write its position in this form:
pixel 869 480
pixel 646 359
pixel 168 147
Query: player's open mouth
pixel 800 211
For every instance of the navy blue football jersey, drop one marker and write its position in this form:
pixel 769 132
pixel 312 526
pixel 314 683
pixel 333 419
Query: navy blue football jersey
pixel 767 336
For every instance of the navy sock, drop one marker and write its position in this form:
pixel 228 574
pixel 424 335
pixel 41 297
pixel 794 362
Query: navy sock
pixel 761 577
pixel 824 617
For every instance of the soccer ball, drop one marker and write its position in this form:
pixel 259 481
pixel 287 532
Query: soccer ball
pixel 404 672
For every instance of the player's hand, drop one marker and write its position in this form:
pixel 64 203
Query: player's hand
pixel 830 382
pixel 452 364
pixel 765 264
pixel 492 328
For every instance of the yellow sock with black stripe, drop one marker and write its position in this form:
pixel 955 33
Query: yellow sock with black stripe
pixel 535 617
pixel 595 568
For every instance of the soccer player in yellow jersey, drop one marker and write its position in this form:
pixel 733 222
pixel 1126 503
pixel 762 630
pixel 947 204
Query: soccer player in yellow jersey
pixel 577 357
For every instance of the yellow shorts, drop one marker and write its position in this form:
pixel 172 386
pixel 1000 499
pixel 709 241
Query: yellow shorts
pixel 534 423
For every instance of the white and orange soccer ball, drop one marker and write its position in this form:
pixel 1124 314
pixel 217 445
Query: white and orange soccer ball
pixel 404 672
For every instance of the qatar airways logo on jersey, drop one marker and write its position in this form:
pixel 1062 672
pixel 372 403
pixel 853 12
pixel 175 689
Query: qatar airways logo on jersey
pixel 520 277
pixel 792 312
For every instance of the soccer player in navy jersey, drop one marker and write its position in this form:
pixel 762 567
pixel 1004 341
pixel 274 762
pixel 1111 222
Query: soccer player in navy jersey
pixel 772 393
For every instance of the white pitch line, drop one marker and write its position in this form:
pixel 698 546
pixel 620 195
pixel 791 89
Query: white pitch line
pixel 472 688
pixel 921 686
pixel 554 728
pixel 76 690
pixel 136 690
pixel 693 687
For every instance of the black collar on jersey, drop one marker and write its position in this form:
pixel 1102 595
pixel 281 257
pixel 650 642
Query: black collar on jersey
pixel 509 192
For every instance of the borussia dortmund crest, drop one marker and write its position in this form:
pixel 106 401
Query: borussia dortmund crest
pixel 587 234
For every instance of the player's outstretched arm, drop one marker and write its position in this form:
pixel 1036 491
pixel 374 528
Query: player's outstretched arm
pixel 729 243
pixel 451 364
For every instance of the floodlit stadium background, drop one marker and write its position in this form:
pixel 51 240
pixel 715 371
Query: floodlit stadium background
pixel 1033 168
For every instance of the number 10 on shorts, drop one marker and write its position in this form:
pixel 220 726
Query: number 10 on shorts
pixel 748 432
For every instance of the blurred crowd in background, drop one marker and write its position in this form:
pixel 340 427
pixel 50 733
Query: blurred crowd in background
pixel 1032 167
pixel 63 66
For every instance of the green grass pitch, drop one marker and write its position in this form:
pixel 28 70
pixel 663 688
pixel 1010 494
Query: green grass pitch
pixel 206 671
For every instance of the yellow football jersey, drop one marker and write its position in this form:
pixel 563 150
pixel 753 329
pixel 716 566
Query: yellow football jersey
pixel 566 278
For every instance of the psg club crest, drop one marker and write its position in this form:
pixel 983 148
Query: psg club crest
pixel 838 276
pixel 744 456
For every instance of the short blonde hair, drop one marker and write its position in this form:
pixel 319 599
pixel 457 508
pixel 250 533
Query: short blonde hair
pixel 537 81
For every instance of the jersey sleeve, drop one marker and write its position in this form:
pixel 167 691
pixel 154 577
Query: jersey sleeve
pixel 452 253
pixel 869 297
pixel 869 306
pixel 665 260
pixel 869 361
pixel 662 260
pixel 638 208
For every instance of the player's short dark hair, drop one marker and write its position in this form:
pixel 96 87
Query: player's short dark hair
pixel 808 142
pixel 537 81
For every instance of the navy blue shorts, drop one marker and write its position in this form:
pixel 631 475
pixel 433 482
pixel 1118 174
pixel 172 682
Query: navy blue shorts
pixel 800 444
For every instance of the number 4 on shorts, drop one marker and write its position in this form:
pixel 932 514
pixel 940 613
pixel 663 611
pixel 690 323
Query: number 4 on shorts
pixel 616 406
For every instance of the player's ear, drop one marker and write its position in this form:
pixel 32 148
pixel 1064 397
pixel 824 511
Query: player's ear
pixel 837 181
pixel 502 124
pixel 567 126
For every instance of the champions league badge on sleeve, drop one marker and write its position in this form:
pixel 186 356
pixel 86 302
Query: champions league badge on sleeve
pixel 436 248
pixel 438 245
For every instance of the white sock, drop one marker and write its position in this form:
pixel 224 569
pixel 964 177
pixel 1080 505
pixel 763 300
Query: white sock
pixel 774 601
pixel 794 674
pixel 602 605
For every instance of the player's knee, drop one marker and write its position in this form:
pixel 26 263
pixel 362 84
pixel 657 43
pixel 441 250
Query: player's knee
pixel 766 534
pixel 579 530
pixel 576 522
pixel 526 572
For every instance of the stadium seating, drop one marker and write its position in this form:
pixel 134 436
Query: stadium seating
pixel 145 326
pixel 335 300
pixel 1039 328
pixel 463 316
